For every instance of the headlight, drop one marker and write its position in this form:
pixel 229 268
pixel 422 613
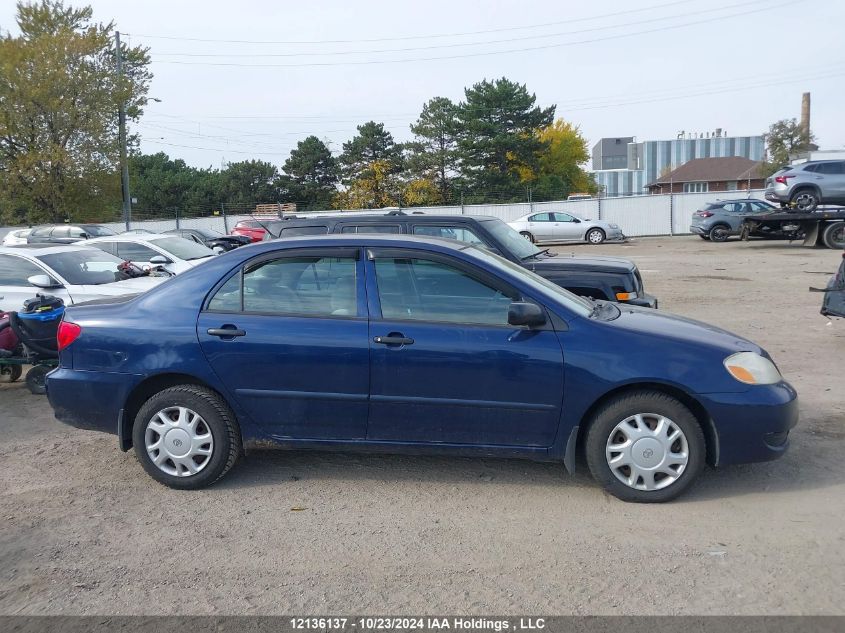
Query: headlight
pixel 613 226
pixel 752 369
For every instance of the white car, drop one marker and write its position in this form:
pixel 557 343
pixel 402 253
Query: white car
pixel 72 273
pixel 174 254
pixel 18 236
pixel 554 226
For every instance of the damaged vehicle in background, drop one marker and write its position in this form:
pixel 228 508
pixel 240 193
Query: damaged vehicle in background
pixel 170 252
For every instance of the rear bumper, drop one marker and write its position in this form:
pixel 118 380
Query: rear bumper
pixel 698 230
pixel 89 400
pixel 752 426
pixel 775 196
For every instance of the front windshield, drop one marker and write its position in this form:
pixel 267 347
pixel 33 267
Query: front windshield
pixel 85 267
pixel 209 234
pixel 513 242
pixel 98 231
pixel 578 305
pixel 181 248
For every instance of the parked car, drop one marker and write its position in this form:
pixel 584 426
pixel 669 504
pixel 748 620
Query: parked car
pixel 396 343
pixel 253 229
pixel 173 253
pixel 72 273
pixel 718 220
pixel 138 232
pixel 804 187
pixel 610 278
pixel 214 240
pixel 555 226
pixel 66 233
pixel 15 237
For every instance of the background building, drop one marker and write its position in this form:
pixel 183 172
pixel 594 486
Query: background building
pixel 702 175
pixel 647 161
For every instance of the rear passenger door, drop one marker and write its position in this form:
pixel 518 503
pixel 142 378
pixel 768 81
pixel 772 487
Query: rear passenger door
pixel 287 336
pixel 541 226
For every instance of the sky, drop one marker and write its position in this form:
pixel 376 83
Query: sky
pixel 248 79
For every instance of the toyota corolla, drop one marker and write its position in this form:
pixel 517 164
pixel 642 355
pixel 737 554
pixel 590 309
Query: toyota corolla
pixel 402 344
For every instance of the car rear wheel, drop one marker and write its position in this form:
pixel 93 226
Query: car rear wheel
pixel 527 236
pixel 595 236
pixel 805 200
pixel 834 236
pixel 186 437
pixel 719 233
pixel 645 447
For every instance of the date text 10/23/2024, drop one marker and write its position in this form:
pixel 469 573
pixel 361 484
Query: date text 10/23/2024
pixel 422 623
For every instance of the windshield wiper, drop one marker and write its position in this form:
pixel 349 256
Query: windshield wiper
pixel 533 255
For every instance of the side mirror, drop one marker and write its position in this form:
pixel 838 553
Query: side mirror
pixel 43 281
pixel 159 260
pixel 84 236
pixel 576 220
pixel 523 313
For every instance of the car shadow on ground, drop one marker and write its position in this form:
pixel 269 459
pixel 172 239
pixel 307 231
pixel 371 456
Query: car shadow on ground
pixel 810 464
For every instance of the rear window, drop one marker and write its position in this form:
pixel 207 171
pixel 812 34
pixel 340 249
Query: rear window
pixel 714 205
pixel 97 231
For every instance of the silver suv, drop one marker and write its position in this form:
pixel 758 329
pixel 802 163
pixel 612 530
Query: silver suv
pixel 804 187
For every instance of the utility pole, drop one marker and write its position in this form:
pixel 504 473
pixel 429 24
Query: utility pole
pixel 121 122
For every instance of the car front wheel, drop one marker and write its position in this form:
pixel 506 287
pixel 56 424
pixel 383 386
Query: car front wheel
pixel 527 236
pixel 186 437
pixel 645 447
pixel 595 236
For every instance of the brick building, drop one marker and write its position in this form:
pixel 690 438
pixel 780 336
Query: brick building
pixel 700 175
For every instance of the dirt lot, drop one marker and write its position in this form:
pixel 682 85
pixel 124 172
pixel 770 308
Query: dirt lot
pixel 85 531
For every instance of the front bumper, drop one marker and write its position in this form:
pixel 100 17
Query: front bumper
pixel 614 235
pixel 752 426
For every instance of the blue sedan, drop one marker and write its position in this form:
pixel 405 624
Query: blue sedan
pixel 402 344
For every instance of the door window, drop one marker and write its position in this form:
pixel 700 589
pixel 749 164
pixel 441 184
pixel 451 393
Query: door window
pixel 293 231
pixel 424 290
pixel 60 231
pixel 14 271
pixel 76 232
pixel 310 285
pixel 831 169
pixel 540 217
pixel 135 252
pixel 563 217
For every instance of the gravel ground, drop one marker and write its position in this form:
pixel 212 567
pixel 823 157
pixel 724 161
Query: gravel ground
pixel 85 531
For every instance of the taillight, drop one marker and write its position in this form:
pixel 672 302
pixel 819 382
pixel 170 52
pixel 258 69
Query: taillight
pixel 67 334
pixel 705 214
pixel 782 179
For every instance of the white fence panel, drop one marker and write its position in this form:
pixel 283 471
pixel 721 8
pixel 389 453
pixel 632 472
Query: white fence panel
pixel 639 215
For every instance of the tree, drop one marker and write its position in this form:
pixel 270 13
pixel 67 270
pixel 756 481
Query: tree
pixel 250 182
pixel 433 155
pixel 558 172
pixel 784 139
pixel 497 128
pixel 377 187
pixel 312 175
pixel 163 186
pixel 370 163
pixel 59 96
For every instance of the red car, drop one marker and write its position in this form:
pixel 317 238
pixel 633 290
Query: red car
pixel 252 229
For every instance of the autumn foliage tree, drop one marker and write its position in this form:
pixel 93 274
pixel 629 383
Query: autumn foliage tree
pixel 59 96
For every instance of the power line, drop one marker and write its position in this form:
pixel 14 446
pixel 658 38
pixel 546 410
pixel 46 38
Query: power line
pixel 420 37
pixel 487 53
pixel 465 44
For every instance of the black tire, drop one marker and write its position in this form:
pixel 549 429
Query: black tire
pixel 834 235
pixel 595 236
pixel 36 380
pixel 618 409
pixel 719 233
pixel 217 416
pixel 527 236
pixel 805 200
pixel 704 237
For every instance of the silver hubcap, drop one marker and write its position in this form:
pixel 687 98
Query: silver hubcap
pixel 595 237
pixel 647 451
pixel 179 441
